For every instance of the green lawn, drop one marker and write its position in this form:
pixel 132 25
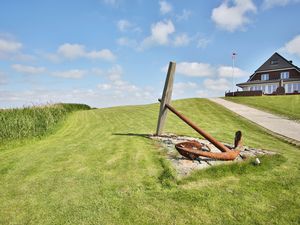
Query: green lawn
pixel 98 168
pixel 284 105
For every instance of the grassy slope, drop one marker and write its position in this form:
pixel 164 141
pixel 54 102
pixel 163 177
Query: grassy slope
pixel 99 169
pixel 288 106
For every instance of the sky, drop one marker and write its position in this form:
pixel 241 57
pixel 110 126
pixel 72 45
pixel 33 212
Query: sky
pixel 116 52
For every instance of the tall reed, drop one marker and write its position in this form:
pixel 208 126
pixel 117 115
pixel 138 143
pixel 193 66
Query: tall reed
pixel 33 121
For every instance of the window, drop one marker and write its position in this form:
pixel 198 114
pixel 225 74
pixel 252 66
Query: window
pixel 284 75
pixel 296 87
pixel 274 62
pixel 265 89
pixel 269 89
pixel 265 76
pixel 290 88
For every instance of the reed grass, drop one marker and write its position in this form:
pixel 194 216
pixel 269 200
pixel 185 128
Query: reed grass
pixel 20 123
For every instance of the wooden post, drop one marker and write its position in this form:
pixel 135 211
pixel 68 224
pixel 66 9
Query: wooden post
pixel 166 98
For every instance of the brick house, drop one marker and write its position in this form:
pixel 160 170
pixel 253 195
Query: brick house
pixel 276 76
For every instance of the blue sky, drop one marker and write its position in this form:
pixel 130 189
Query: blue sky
pixel 115 52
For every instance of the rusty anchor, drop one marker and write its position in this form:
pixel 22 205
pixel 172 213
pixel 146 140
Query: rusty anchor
pixel 193 149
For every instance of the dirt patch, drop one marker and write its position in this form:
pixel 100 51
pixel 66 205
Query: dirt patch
pixel 185 166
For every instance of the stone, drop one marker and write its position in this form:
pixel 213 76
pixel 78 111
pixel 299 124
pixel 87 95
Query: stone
pixel 184 166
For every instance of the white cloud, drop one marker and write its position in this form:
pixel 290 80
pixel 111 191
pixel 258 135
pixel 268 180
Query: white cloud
pixel 104 87
pixel 3 78
pixel 203 93
pixel 71 51
pixel 217 85
pixel 117 88
pixel 96 71
pixel 105 54
pixel 43 96
pixel 184 85
pixel 184 90
pixel 73 74
pixel 165 7
pixel 124 25
pixel 203 42
pixel 233 17
pixel 9 46
pixel 293 46
pixel 267 4
pixel 111 2
pixel 28 69
pixel 11 49
pixel 199 69
pixel 124 41
pixel 185 15
pixel 194 69
pixel 52 57
pixel 74 51
pixel 92 97
pixel 160 33
pixel 115 73
pixel 227 71
pixel 181 40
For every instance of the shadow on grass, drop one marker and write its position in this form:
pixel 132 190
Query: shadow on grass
pixel 133 134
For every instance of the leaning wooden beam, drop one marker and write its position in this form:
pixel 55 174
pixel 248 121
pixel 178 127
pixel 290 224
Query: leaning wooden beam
pixel 207 136
pixel 166 98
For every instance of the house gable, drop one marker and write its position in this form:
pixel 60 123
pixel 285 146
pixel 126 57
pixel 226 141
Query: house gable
pixel 275 72
pixel 275 63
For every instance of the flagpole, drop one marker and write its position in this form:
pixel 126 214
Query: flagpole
pixel 233 58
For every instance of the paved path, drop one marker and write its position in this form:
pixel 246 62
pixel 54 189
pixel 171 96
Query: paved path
pixel 273 123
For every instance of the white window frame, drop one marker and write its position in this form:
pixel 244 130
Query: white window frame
pixel 285 75
pixel 264 76
pixel 289 88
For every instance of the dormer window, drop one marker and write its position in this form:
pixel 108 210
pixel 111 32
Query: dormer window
pixel 265 76
pixel 274 62
pixel 284 75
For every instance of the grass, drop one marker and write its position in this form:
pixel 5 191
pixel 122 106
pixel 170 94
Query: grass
pixel 98 168
pixel 284 105
pixel 20 123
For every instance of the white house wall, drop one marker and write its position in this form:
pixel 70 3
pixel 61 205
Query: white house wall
pixel 271 87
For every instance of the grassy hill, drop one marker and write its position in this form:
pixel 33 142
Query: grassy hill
pixel 98 168
pixel 284 105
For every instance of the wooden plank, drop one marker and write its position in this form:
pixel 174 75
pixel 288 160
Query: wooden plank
pixel 166 98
